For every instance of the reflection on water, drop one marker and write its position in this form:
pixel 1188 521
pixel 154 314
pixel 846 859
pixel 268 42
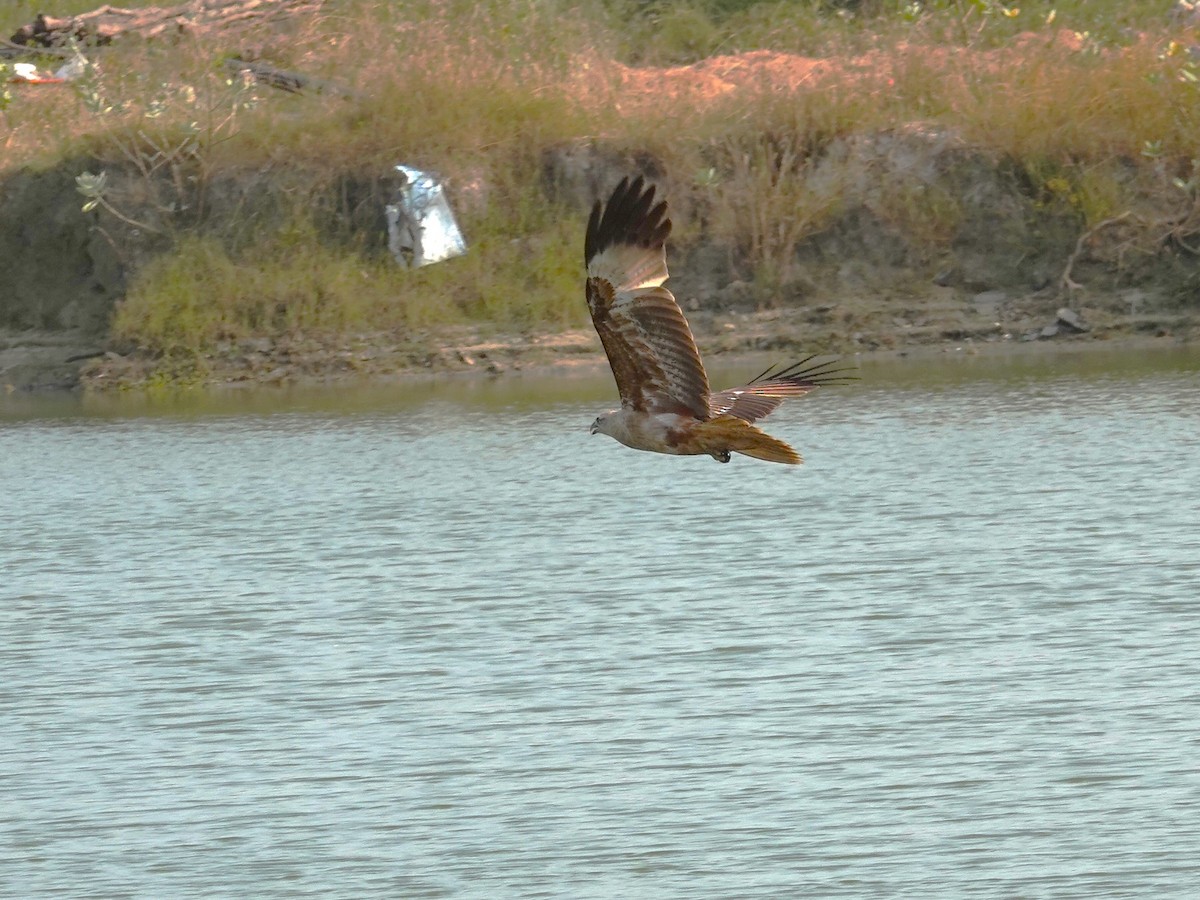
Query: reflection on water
pixel 436 640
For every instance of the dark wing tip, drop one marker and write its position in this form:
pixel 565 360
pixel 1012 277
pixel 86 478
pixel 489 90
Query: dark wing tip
pixel 629 217
pixel 589 241
pixel 802 374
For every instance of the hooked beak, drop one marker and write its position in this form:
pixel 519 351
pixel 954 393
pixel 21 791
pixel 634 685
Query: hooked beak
pixel 592 428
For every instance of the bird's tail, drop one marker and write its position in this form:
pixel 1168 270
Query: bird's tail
pixel 739 436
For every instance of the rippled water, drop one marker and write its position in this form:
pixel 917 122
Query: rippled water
pixel 437 640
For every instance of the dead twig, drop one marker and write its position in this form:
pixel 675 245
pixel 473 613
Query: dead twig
pixel 1066 282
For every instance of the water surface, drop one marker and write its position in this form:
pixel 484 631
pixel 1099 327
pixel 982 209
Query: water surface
pixel 434 639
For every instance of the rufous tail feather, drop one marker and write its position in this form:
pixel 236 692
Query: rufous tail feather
pixel 731 433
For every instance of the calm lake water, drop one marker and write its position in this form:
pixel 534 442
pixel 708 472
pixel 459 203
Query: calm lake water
pixel 436 640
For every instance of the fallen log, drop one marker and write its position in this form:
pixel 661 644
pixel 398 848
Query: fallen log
pixel 109 23
pixel 292 82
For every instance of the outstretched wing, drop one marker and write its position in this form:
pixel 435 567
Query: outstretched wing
pixel 762 395
pixel 649 344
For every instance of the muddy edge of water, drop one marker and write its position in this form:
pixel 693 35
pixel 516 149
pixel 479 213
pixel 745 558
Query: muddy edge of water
pixel 65 361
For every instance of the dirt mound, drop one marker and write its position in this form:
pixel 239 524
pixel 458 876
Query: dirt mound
pixel 721 76
pixel 779 73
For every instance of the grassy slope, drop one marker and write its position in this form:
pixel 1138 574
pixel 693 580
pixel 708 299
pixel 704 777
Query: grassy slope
pixel 477 90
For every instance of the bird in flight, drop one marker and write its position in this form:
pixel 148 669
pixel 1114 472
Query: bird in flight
pixel 666 404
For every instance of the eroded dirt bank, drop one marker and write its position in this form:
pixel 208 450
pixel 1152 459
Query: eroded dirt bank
pixel 870 242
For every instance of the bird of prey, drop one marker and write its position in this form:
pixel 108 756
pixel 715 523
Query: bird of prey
pixel 666 404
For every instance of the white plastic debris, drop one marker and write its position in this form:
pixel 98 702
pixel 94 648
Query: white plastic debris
pixel 421 226
pixel 28 73
pixel 72 68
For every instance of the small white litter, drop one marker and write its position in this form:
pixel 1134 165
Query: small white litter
pixel 28 73
pixel 72 68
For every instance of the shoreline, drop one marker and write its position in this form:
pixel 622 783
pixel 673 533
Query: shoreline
pixel 108 375
pixel 568 354
pixel 883 327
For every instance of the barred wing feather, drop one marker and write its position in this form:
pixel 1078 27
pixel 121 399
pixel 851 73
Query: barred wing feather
pixel 763 394
pixel 645 334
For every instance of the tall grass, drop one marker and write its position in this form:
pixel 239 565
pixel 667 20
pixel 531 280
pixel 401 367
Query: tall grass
pixel 290 283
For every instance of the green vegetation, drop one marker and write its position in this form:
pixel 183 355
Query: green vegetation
pixel 478 90
pixel 290 284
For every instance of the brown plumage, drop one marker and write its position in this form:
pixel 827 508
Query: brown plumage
pixel 666 403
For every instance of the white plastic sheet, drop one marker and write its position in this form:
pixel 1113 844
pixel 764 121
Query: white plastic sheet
pixel 421 225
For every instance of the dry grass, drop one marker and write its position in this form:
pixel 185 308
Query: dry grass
pixel 478 90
